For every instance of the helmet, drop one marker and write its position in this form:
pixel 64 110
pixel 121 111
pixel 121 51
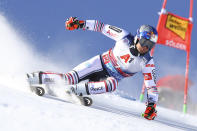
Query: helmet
pixel 147 36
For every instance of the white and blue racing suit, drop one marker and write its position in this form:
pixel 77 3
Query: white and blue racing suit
pixel 105 70
pixel 120 61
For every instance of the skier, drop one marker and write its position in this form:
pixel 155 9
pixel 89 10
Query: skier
pixel 130 55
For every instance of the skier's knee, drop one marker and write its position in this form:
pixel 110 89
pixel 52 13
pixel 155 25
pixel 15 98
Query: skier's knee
pixel 71 78
pixel 112 84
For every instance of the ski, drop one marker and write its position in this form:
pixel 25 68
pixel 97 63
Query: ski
pixel 41 90
pixel 38 90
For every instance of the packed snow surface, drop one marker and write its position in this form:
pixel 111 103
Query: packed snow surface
pixel 22 111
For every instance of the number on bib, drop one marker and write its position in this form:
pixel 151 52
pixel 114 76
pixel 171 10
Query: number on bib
pixel 125 57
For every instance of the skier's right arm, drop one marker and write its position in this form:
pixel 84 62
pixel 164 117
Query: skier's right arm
pixel 110 31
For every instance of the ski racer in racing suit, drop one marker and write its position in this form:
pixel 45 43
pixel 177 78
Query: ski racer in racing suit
pixel 131 54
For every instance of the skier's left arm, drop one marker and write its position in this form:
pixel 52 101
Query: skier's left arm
pixel 152 92
pixel 110 31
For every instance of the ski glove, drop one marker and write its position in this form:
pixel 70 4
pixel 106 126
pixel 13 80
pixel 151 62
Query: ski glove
pixel 150 112
pixel 72 23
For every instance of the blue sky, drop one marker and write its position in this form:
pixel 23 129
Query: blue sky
pixel 42 23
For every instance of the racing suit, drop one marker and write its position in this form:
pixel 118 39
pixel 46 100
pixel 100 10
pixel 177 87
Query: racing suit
pixel 106 70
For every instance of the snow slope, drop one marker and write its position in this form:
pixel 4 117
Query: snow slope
pixel 20 110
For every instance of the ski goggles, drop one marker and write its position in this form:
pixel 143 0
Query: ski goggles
pixel 144 42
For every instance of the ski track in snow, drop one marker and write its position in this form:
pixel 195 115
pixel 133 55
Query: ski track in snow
pixel 129 113
pixel 135 114
pixel 26 111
